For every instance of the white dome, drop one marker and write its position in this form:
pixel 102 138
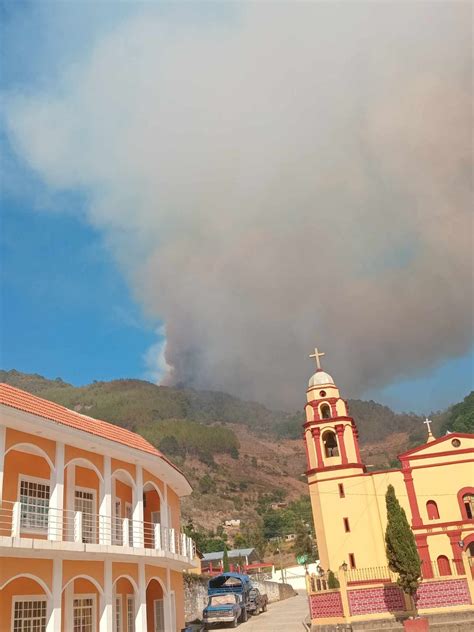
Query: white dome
pixel 320 378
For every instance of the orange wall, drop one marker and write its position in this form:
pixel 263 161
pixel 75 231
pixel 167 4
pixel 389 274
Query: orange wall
pixel 71 452
pixel 178 586
pixel 175 507
pixel 15 436
pixel 152 502
pixel 124 493
pixel 11 566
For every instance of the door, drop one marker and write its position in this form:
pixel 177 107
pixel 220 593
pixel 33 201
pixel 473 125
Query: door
pixel 159 615
pixel 84 501
pixel 129 515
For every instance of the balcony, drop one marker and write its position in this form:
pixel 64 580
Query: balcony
pixel 40 527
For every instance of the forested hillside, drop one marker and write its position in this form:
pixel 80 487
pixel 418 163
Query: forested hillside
pixel 138 405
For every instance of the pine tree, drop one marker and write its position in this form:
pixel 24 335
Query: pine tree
pixel 225 561
pixel 400 546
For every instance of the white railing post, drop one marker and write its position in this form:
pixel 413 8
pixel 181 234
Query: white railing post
pixel 126 532
pixel 16 519
pixel 157 536
pixel 183 545
pixel 78 526
pixel 172 541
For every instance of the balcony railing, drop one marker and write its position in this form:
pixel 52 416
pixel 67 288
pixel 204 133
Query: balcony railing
pixel 62 525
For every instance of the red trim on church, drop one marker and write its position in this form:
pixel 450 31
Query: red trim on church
pixel 462 492
pixel 412 499
pixel 453 435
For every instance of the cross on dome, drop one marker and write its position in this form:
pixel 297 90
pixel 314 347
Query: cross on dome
pixel 316 355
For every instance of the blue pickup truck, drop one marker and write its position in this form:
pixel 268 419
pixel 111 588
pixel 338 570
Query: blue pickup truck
pixel 228 600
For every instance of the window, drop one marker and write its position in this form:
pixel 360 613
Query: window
pixel 130 614
pixel 468 502
pixel 118 614
pixel 341 490
pixel 34 498
pixel 346 525
pixel 444 566
pixel 84 614
pixel 325 412
pixel 29 615
pixel 352 562
pixel 84 501
pixel 158 606
pixel 432 510
pixel 330 444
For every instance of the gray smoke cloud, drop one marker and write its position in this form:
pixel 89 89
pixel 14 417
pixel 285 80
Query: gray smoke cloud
pixel 273 177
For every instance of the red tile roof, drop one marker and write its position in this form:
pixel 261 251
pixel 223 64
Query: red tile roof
pixel 21 400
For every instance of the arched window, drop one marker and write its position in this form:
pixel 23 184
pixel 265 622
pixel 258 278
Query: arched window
pixel 325 412
pixel 444 567
pixel 330 443
pixel 432 510
pixel 468 502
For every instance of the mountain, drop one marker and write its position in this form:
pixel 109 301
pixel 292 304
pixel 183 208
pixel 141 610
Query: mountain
pixel 239 456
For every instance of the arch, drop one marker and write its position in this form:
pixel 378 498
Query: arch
pixel 38 580
pixel 160 581
pixel 444 567
pixel 330 443
pixel 127 474
pixel 465 491
pixel 432 510
pixel 35 449
pixel 469 542
pixel 82 461
pixel 156 488
pixel 89 578
pixel 325 411
pixel 130 579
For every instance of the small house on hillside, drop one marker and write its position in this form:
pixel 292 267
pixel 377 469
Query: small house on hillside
pixel 214 561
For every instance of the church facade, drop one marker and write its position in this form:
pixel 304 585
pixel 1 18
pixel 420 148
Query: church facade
pixel 435 486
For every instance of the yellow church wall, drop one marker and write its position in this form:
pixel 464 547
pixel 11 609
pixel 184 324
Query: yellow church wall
pixel 349 443
pixel 454 477
pixel 341 408
pixel 313 393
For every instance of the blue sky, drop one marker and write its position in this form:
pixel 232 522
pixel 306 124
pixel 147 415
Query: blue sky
pixel 68 308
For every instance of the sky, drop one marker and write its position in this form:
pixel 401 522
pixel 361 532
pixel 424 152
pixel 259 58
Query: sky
pixel 200 193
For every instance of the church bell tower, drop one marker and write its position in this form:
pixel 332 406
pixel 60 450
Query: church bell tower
pixel 330 435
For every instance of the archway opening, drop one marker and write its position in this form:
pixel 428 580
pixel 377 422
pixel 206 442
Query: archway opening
pixel 152 515
pixel 155 606
pixel 81 604
pixel 330 444
pixel 325 411
pixel 24 605
pixel 124 605
pixel 84 485
pixel 27 478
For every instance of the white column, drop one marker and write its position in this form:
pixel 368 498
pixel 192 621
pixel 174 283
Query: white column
pixel 56 499
pixel 137 531
pixel 165 514
pixel 3 432
pixel 105 509
pixel 106 614
pixel 140 603
pixel 169 615
pixel 68 602
pixel 54 621
pixel 70 500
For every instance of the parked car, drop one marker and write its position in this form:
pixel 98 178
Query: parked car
pixel 257 602
pixel 224 608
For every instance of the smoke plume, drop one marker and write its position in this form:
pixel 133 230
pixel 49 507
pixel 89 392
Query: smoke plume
pixel 277 176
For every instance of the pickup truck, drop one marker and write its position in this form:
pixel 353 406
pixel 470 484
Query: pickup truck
pixel 257 602
pixel 224 608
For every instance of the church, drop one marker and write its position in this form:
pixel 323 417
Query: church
pixel 434 486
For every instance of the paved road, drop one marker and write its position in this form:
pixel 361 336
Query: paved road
pixel 284 616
